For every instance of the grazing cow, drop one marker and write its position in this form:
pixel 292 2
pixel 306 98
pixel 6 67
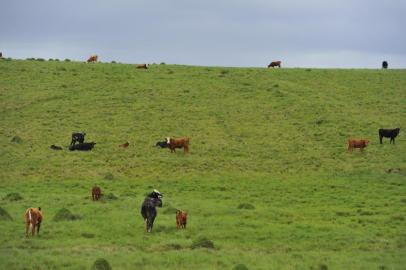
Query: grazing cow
pixel 275 64
pixel 174 143
pixel 181 219
pixel 388 133
pixel 384 65
pixel 361 144
pixel 78 137
pixel 162 144
pixel 148 208
pixel 92 58
pixel 142 66
pixel 55 147
pixel 33 218
pixel 96 193
pixel 82 146
pixel 124 145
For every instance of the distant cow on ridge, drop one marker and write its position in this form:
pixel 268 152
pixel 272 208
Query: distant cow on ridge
pixel 384 65
pixel 92 58
pixel 275 64
pixel 388 133
pixel 142 66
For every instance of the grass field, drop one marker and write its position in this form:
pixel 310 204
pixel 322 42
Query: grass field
pixel 268 179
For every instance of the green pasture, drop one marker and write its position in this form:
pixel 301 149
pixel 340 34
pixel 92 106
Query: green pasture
pixel 268 182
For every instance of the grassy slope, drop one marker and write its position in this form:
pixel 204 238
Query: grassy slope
pixel 273 138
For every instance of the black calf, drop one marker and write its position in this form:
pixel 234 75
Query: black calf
pixel 148 209
pixel 82 146
pixel 162 144
pixel 384 64
pixel 388 133
pixel 78 137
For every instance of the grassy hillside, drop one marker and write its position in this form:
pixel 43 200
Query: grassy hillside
pixel 268 179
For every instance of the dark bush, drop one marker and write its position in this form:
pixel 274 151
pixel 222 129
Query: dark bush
pixel 65 215
pixel 56 59
pixel 67 60
pixel 88 235
pixel 101 264
pixel 240 267
pixel 202 242
pixel 246 206
pixel 113 62
pixel 162 63
pixel 40 59
pixel 50 59
pixel 4 215
pixel 14 196
pixel 16 139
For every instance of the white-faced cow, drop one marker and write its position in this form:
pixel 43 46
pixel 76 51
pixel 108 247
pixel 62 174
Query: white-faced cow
pixel 148 208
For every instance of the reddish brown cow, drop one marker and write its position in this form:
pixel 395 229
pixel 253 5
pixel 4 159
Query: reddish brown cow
pixel 361 144
pixel 124 145
pixel 92 58
pixel 33 218
pixel 96 193
pixel 181 219
pixel 275 64
pixel 174 143
pixel 142 66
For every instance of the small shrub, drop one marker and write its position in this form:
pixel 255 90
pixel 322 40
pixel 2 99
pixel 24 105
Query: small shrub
pixel 101 264
pixel 4 215
pixel 65 215
pixel 56 59
pixel 240 267
pixel 276 85
pixel 109 176
pixel 246 206
pixel 308 69
pixel 323 267
pixel 50 59
pixel 113 62
pixel 202 242
pixel 88 235
pixel 14 196
pixel 162 63
pixel 16 139
pixel 67 60
pixel 40 59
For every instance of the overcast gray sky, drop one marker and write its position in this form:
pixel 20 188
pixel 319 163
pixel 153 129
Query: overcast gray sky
pixel 308 33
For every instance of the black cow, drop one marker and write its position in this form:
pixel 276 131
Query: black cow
pixel 384 64
pixel 148 208
pixel 55 147
pixel 388 133
pixel 78 137
pixel 82 146
pixel 163 144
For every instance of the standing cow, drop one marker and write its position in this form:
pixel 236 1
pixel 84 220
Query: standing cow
pixel 361 144
pixel 275 64
pixel 96 193
pixel 33 218
pixel 142 66
pixel 92 58
pixel 148 208
pixel 384 64
pixel 388 133
pixel 78 137
pixel 181 219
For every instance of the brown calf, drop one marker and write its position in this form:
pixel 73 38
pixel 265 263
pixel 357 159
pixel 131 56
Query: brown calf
pixel 92 58
pixel 124 145
pixel 178 143
pixel 361 144
pixel 181 219
pixel 275 64
pixel 33 218
pixel 142 66
pixel 96 193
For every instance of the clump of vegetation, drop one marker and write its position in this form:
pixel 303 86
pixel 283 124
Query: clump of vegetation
pixel 4 215
pixel 67 60
pixel 88 235
pixel 50 59
pixel 40 59
pixel 14 196
pixel 202 242
pixel 110 197
pixel 109 176
pixel 162 63
pixel 113 62
pixel 101 264
pixel 16 139
pixel 240 267
pixel 65 215
pixel 246 206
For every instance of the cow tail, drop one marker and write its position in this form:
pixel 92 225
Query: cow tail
pixel 29 215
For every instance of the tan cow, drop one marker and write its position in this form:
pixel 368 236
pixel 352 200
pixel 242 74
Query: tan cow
pixel 181 219
pixel 33 218
pixel 361 144
pixel 96 193
pixel 92 58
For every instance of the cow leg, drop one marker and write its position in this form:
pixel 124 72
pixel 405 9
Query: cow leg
pixel 32 229
pixel 392 139
pixel 27 226
pixel 38 226
pixel 380 139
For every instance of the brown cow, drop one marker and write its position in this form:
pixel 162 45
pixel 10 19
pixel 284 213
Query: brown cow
pixel 92 58
pixel 96 193
pixel 275 64
pixel 142 66
pixel 33 218
pixel 178 143
pixel 361 144
pixel 124 145
pixel 181 219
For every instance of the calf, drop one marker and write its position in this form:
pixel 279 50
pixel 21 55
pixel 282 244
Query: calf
pixel 174 143
pixel 388 133
pixel 162 144
pixel 33 218
pixel 78 137
pixel 148 208
pixel 82 146
pixel 361 144
pixel 96 193
pixel 181 219
pixel 124 145
pixel 142 66
pixel 275 64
